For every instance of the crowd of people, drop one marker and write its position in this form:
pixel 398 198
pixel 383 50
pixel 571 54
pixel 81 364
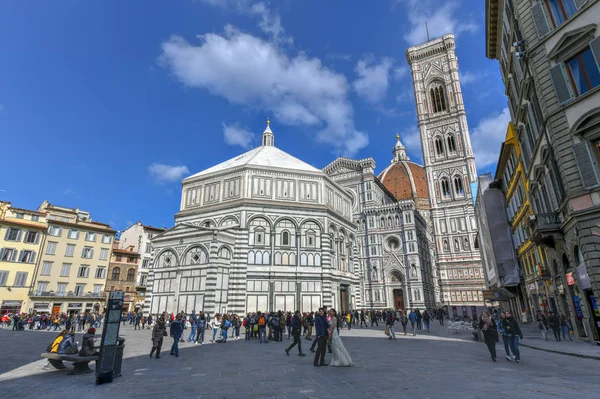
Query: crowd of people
pixel 43 321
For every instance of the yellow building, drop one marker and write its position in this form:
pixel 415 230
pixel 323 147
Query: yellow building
pixel 22 234
pixel 122 272
pixel 532 257
pixel 73 264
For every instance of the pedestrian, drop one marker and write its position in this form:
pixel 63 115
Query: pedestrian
pixel 309 322
pixel 192 336
pixel 565 327
pixel 262 327
pixel 504 335
pixel 554 322
pixel 322 336
pixel 159 331
pixel 488 327
pixel 403 320
pixel 542 324
pixel 426 319
pixel 225 324
pixel 513 332
pixel 413 321
pixel 296 332
pixel 362 319
pixel 216 324
pixel 200 328
pixel 390 320
pixel 176 330
pixel 419 320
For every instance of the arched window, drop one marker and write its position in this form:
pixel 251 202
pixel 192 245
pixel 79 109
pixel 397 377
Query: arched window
pixel 451 143
pixel 458 185
pixel 130 274
pixel 439 146
pixel 285 238
pixel 438 98
pixel 116 273
pixel 445 188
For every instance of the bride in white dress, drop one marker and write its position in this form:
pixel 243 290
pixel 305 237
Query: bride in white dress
pixel 340 356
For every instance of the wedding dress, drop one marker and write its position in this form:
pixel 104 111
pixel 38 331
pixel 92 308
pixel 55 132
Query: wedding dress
pixel 340 356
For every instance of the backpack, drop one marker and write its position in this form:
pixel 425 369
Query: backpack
pixel 274 322
pixel 252 320
pixel 227 323
pixel 261 321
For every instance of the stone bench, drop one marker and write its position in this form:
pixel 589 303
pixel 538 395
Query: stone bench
pixel 80 363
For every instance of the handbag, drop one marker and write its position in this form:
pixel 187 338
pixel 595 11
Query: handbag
pixel 387 331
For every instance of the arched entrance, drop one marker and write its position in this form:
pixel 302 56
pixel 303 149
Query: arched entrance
pixel 395 284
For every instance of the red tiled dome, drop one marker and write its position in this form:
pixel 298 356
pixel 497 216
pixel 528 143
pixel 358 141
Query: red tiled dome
pixel 405 179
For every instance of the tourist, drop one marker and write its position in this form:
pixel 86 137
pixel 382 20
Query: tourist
pixel 309 322
pixel 53 347
pixel 192 336
pixel 389 322
pixel 296 326
pixel 176 330
pixel 261 322
pixel 565 327
pixel 504 335
pixel 362 319
pixel 542 324
pixel 426 319
pixel 554 322
pixel 489 328
pixel 322 336
pixel 513 331
pixel 159 331
pixel 216 324
pixel 225 324
pixel 200 328
pixel 403 320
pixel 340 356
pixel 413 321
pixel 87 346
pixel 419 320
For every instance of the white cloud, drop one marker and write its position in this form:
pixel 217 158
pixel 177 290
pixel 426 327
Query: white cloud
pixel 236 135
pixel 411 139
pixel 167 173
pixel 405 95
pixel 268 22
pixel 400 72
pixel 441 19
pixel 373 79
pixel 249 71
pixel 487 138
pixel 467 78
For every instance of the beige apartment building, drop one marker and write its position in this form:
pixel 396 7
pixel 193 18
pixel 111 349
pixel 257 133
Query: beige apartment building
pixel 73 263
pixel 122 272
pixel 22 234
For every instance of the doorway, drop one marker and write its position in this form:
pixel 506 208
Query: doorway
pixel 344 299
pixel 398 299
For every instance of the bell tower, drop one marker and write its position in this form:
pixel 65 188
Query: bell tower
pixel 450 169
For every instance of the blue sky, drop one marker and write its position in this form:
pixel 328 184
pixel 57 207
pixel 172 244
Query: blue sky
pixel 107 105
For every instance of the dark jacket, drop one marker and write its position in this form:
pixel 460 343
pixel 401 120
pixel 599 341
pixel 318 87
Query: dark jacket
pixel 176 328
pixel 510 327
pixel 158 332
pixel 296 323
pixel 87 346
pixel 321 326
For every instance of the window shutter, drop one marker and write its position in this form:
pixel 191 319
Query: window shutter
pixel 37 237
pixel 6 234
pixel 539 19
pixel 32 257
pixel 560 83
pixel 21 256
pixel 2 253
pixel 92 253
pixel 580 3
pixel 585 164
pixel 595 46
pixel 14 255
pixel 83 253
pixel 19 235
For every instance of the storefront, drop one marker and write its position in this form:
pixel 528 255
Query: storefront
pixel 10 307
pixel 41 307
pixel 74 307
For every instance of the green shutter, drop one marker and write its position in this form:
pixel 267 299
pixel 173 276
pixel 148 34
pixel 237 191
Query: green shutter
pixel 585 164
pixel 539 19
pixel 595 47
pixel 560 83
pixel 580 3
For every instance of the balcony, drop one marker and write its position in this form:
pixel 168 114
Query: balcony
pixel 545 228
pixel 67 295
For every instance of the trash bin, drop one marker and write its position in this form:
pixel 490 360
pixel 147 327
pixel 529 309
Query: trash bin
pixel 118 357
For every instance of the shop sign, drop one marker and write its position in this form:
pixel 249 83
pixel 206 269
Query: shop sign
pixel 11 304
pixel 561 289
pixel 74 306
pixel 570 279
pixel 583 278
pixel 531 288
pixel 41 305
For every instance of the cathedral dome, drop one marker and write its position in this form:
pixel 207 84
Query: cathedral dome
pixel 404 178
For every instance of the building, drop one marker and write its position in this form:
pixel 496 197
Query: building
pixel 497 253
pixel 22 234
pixel 122 273
pixel 549 54
pixel 139 236
pixel 396 269
pixel 266 231
pixel 73 262
pixel 449 171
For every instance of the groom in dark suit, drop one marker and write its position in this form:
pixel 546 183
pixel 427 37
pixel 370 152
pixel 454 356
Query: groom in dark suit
pixel 322 336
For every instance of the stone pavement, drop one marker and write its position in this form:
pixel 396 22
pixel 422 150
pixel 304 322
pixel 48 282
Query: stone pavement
pixel 425 366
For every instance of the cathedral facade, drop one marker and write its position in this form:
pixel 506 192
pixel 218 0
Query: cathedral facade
pixel 266 231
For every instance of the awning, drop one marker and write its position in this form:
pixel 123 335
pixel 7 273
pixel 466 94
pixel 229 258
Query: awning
pixel 498 294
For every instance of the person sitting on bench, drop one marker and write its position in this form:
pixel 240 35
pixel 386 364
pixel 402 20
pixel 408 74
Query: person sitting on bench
pixel 87 346
pixel 53 347
pixel 68 346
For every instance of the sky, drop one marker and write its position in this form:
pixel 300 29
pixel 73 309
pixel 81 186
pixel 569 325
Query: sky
pixel 108 105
